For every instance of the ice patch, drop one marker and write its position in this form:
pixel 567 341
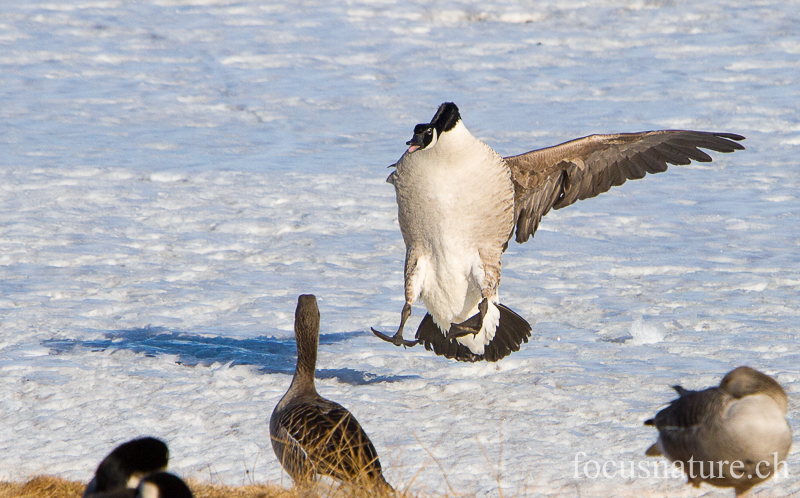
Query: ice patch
pixel 754 287
pixel 642 271
pixel 522 17
pixel 250 61
pixel 761 64
pixel 167 177
pixel 646 333
pixel 161 146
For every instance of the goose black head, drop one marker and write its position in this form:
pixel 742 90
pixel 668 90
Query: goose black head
pixel 427 134
pixel 130 461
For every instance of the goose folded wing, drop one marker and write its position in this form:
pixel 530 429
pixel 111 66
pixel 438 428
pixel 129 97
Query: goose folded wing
pixel 689 410
pixel 333 440
pixel 556 177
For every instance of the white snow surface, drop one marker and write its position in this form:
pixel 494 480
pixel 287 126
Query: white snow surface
pixel 646 333
pixel 173 173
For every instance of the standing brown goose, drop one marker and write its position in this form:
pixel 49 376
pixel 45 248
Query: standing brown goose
pixel 733 435
pixel 459 203
pixel 314 436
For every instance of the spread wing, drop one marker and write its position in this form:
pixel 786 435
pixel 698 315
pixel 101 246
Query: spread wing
pixel 331 440
pixel 558 176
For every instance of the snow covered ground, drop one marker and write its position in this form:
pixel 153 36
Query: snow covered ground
pixel 173 173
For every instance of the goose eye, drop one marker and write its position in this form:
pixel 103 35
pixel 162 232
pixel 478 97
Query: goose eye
pixel 428 131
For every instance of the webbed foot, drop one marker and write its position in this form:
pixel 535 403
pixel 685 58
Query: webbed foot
pixel 396 339
pixel 471 325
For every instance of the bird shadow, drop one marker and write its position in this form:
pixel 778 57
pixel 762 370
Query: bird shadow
pixel 271 355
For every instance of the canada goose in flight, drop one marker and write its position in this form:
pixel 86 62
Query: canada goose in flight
pixel 733 435
pixel 124 467
pixel 459 203
pixel 314 436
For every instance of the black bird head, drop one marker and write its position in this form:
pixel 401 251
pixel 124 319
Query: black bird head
pixel 135 458
pixel 427 134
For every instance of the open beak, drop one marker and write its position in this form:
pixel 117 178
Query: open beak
pixel 415 143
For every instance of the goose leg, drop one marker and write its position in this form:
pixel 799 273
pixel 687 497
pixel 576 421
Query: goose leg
pixel 471 325
pixel 397 338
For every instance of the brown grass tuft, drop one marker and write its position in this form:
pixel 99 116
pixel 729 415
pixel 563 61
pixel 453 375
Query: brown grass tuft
pixel 42 487
pixel 206 490
pixel 54 487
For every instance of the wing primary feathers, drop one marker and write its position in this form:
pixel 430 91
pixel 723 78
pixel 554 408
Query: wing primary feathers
pixel 555 177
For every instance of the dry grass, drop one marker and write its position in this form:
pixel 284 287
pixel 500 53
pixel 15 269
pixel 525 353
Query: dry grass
pixel 53 487
pixel 205 490
pixel 42 487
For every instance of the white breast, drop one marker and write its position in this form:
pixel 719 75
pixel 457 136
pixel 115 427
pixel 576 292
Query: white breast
pixel 454 200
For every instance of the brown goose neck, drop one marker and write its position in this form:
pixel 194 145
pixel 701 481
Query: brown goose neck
pixel 306 331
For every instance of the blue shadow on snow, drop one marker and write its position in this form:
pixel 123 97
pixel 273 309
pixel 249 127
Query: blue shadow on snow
pixel 270 354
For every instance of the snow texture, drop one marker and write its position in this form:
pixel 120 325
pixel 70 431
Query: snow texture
pixel 173 173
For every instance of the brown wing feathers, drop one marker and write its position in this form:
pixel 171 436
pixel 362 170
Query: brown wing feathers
pixel 334 442
pixel 558 176
pixel 688 410
pixel 532 204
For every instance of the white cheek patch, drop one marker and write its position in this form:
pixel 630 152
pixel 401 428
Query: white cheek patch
pixel 149 490
pixel 133 480
pixel 434 139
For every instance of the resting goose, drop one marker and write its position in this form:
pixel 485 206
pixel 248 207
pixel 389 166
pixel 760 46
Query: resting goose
pixel 135 470
pixel 124 467
pixel 314 436
pixel 733 435
pixel 163 485
pixel 459 203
